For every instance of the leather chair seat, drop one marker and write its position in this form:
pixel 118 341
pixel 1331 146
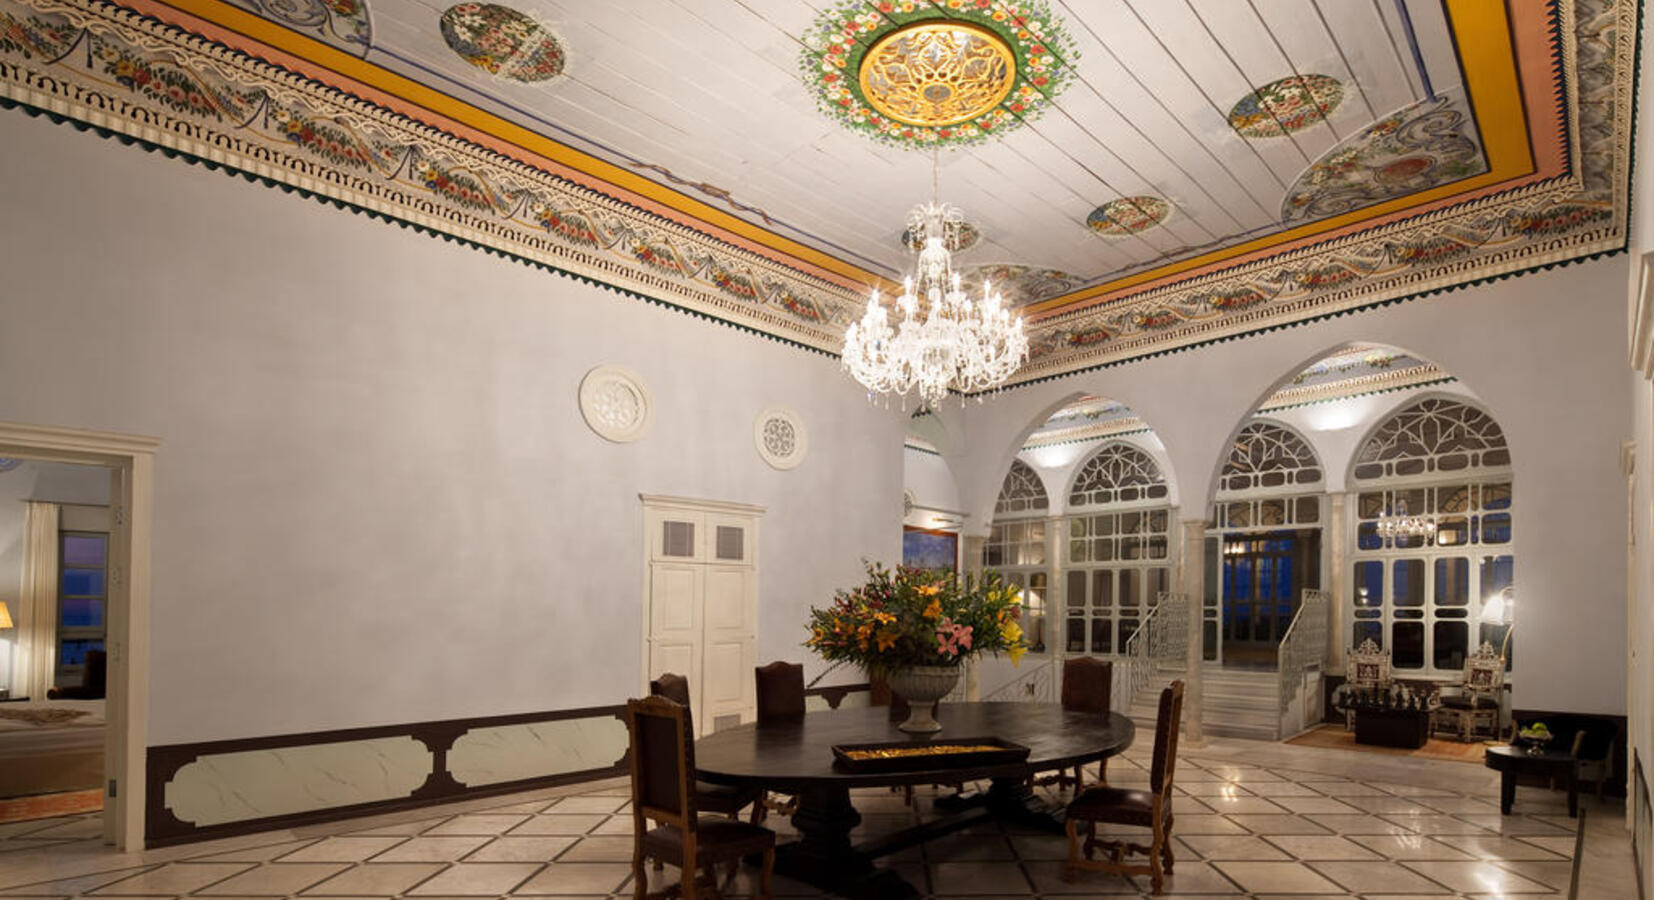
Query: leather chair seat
pixel 1461 701
pixel 715 839
pixel 1118 806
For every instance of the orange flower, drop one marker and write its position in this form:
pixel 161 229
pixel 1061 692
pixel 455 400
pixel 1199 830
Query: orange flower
pixel 934 610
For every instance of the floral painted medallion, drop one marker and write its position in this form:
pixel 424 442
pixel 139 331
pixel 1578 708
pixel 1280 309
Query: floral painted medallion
pixel 1128 215
pixel 1286 105
pixel 918 74
pixel 503 42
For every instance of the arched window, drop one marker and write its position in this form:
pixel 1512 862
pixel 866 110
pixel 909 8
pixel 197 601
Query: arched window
pixel 1268 456
pixel 1022 492
pixel 1443 462
pixel 1016 544
pixel 1118 540
pixel 1117 473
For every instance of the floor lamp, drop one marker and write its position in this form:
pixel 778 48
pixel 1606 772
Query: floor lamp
pixel 6 625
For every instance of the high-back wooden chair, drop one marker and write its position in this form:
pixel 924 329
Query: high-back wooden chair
pixel 1151 809
pixel 1477 700
pixel 1087 686
pixel 780 691
pixel 722 799
pixel 663 792
pixel 1366 668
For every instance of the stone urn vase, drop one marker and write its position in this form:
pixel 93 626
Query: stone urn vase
pixel 921 687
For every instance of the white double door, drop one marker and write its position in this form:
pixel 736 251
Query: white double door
pixel 702 615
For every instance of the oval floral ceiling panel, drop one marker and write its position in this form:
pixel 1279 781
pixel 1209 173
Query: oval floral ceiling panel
pixel 1128 215
pixel 918 73
pixel 1286 105
pixel 502 41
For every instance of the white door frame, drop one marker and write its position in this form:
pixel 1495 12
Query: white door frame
pixel 131 461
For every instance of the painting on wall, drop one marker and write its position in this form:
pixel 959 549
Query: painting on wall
pixel 923 548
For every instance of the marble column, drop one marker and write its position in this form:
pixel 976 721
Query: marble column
pixel 1337 578
pixel 1191 583
pixel 1055 613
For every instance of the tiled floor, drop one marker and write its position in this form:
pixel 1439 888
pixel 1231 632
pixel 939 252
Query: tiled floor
pixel 1253 820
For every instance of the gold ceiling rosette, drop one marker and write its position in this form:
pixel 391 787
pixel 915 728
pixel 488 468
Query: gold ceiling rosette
pixel 936 73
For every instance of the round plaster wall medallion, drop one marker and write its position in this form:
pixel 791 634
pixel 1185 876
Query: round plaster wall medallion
pixel 780 438
pixel 615 404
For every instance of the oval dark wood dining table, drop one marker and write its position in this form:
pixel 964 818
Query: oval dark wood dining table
pixel 797 758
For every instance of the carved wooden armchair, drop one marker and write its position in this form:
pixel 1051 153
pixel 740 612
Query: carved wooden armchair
pixel 1368 670
pixel 1477 701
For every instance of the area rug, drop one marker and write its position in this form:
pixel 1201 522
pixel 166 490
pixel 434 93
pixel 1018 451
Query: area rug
pixel 1336 738
pixel 45 806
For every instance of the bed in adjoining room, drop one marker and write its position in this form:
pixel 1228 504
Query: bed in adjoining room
pixel 48 746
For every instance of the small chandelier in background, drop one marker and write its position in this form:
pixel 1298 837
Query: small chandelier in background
pixel 944 340
pixel 1401 525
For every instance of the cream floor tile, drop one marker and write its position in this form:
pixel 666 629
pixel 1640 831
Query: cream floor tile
pixel 1347 789
pixel 72 829
pixel 1409 846
pixel 599 849
pixel 583 878
pixel 521 849
pixel 1213 789
pixel 1195 878
pixel 1481 877
pixel 342 849
pixel 978 878
pixel 1562 845
pixel 1357 824
pixel 1378 877
pixel 1276 824
pixel 1321 846
pixel 1507 848
pixel 587 803
pixel 1436 824
pixel 1324 805
pixel 469 879
pixel 1039 846
pixel 1229 846
pixel 1275 877
pixel 1205 824
pixel 174 879
pixel 1524 826
pixel 80 884
pixel 621 825
pixel 274 880
pixel 575 823
pixel 1285 789
pixel 432 849
pixel 969 847
pixel 1462 805
pixel 1242 805
pixel 376 879
pixel 478 823
pixel 1048 879
pixel 1554 874
pixel 1398 806
pixel 259 853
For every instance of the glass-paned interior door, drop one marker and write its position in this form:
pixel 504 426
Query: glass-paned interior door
pixel 83 593
pixel 1264 574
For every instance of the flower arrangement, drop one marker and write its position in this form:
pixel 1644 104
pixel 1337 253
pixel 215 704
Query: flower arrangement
pixel 918 617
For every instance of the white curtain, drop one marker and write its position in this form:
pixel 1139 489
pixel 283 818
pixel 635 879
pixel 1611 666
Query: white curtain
pixel 36 651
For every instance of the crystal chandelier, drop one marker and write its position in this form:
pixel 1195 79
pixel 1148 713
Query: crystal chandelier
pixel 1401 525
pixel 944 340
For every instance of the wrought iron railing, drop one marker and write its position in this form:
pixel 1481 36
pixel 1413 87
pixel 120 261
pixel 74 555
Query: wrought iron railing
pixel 1304 648
pixel 1161 638
pixel 1037 685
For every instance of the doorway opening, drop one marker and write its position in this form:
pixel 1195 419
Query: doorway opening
pixel 1264 575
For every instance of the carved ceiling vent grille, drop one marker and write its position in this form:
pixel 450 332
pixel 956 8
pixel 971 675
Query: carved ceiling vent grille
pixel 1434 435
pixel 1022 492
pixel 1118 473
pixel 1266 455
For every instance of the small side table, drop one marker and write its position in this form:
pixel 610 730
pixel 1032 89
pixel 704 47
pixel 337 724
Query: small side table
pixel 1511 762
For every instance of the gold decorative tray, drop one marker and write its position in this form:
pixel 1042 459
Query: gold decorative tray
pixel 908 756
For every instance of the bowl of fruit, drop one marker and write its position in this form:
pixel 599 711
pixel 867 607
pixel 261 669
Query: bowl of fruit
pixel 1535 737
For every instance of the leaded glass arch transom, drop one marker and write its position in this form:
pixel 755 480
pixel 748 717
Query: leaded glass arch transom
pixel 1265 456
pixel 1117 473
pixel 1022 492
pixel 1436 435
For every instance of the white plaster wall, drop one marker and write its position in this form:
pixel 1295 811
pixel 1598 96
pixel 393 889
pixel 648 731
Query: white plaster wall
pixel 376 501
pixel 1336 430
pixel 1640 626
pixel 1545 352
pixel 927 476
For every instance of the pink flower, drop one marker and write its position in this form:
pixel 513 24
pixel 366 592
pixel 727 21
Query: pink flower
pixel 952 638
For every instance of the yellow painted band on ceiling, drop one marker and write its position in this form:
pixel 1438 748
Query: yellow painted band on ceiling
pixel 281 38
pixel 1482 32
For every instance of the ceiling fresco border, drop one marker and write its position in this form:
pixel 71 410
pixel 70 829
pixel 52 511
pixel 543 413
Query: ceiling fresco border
pixel 1577 215
pixel 146 80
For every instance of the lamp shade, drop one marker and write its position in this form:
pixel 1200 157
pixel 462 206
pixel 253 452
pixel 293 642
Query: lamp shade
pixel 5 615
